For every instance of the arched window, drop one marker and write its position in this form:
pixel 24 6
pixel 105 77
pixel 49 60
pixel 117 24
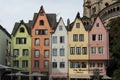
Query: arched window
pixel 41 22
pixel 22 30
pixel 118 8
pixel 113 9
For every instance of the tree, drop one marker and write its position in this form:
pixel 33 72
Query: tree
pixel 114 37
pixel 116 74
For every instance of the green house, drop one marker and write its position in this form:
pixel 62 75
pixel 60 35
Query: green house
pixel 21 47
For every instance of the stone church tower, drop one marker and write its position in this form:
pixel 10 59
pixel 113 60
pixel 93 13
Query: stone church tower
pixel 93 7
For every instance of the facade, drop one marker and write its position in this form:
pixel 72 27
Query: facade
pixel 78 54
pixel 110 12
pixel 93 7
pixel 59 52
pixel 21 47
pixel 99 48
pixel 41 34
pixel 5 43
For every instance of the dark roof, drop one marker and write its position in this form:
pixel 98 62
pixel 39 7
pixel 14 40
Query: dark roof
pixel 58 23
pixel 51 18
pixel 5 31
pixel 17 25
pixel 85 17
pixel 94 23
pixel 71 25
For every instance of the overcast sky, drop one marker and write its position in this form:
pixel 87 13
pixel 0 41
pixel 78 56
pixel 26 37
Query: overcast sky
pixel 12 11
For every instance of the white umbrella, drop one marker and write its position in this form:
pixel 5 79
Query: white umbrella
pixel 36 74
pixel 16 74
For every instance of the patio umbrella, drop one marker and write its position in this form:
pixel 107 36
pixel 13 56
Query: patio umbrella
pixel 36 74
pixel 16 74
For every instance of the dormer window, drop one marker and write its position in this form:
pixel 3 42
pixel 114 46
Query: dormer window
pixel 22 30
pixel 41 22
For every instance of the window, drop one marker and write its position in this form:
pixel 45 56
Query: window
pixel 100 37
pixel 72 50
pixel 78 50
pixel 41 31
pixel 55 52
pixel 93 50
pixel 25 63
pixel 84 65
pixel 36 53
pixel 46 64
pixel 72 64
pixel 77 64
pixel 15 52
pixel 92 64
pixel 75 37
pixel 54 64
pixel 20 40
pixel 37 41
pixel 54 39
pixel 84 50
pixel 41 22
pixel 97 24
pixel 22 30
pixel 62 64
pixel 62 52
pixel 94 37
pixel 81 37
pixel 46 53
pixel 62 39
pixel 100 50
pixel 25 52
pixel 100 64
pixel 46 42
pixel 15 63
pixel 77 25
pixel 36 63
pixel 60 28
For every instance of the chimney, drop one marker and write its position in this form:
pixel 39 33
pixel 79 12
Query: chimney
pixel 68 24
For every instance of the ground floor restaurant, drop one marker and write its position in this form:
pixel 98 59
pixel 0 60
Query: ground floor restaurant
pixel 59 76
pixel 87 77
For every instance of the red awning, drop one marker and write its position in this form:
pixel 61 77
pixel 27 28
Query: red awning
pixel 59 75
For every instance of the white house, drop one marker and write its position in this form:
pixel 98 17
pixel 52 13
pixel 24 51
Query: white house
pixel 59 55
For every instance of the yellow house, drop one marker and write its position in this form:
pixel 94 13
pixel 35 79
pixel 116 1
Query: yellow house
pixel 78 50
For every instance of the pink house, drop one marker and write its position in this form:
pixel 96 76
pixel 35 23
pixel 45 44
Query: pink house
pixel 98 47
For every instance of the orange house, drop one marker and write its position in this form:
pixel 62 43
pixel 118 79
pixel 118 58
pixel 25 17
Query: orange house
pixel 43 25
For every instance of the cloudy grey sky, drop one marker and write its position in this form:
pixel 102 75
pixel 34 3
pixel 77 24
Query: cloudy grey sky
pixel 12 11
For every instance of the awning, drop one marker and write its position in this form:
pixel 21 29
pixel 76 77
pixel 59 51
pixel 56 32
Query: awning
pixel 106 77
pixel 81 76
pixel 36 74
pixel 4 67
pixel 59 75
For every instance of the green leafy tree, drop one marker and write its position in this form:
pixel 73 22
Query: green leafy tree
pixel 116 74
pixel 114 33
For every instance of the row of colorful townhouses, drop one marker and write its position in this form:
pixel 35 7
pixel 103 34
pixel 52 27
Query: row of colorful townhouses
pixel 72 52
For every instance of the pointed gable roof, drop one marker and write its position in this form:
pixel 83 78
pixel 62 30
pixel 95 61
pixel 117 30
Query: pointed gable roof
pixel 77 17
pixel 51 17
pixel 17 25
pixel 95 22
pixel 58 24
